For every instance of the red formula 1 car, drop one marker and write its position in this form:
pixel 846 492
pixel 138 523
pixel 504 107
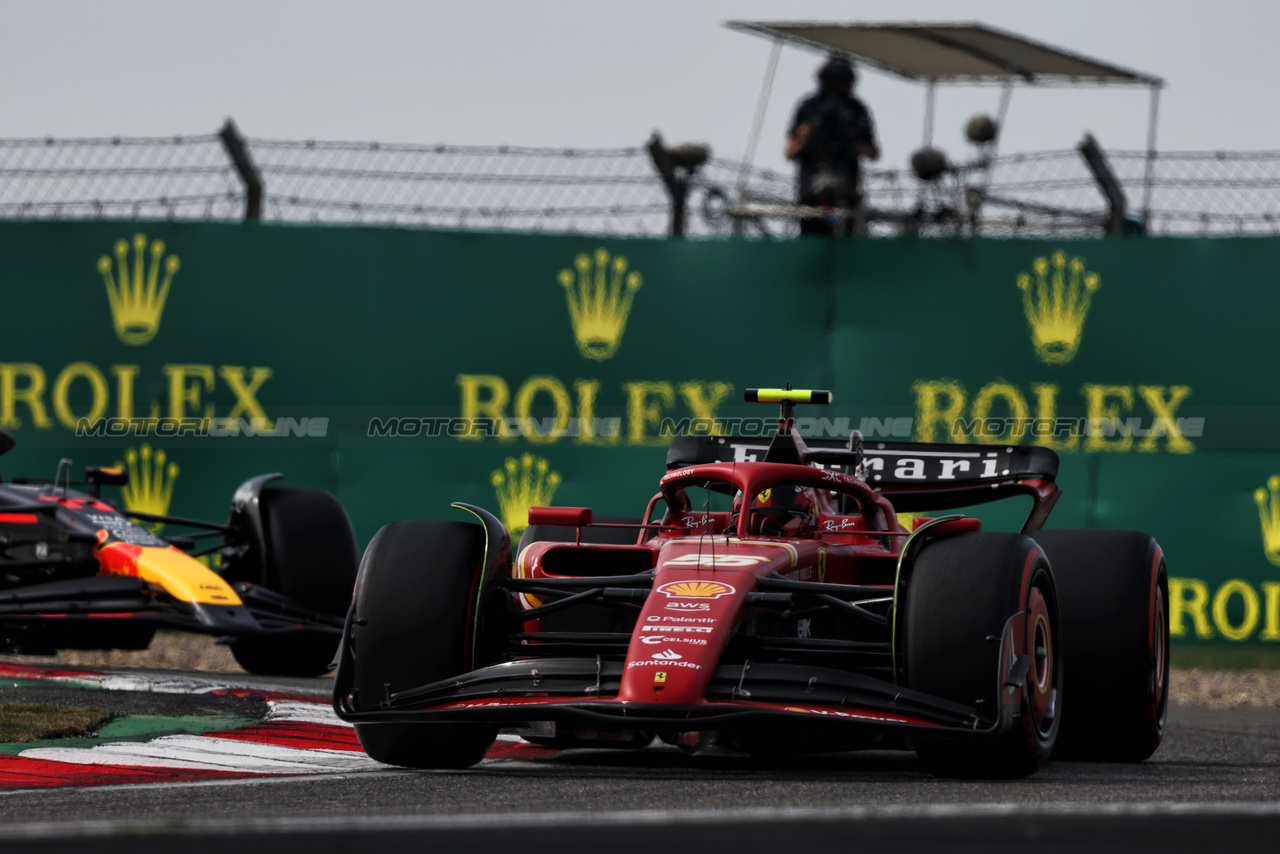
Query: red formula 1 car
pixel 769 602
pixel 76 572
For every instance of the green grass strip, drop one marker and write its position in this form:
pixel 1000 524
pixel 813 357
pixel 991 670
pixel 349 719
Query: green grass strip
pixel 137 728
pixel 1225 657
pixel 28 722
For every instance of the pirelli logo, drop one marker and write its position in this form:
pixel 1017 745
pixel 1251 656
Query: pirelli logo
pixel 701 630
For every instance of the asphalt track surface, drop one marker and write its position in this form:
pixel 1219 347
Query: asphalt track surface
pixel 1214 785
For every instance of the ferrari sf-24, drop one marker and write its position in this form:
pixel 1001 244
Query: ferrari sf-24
pixel 777 597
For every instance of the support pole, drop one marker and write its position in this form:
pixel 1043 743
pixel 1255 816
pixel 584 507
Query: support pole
pixel 1110 186
pixel 238 151
pixel 928 112
pixel 676 166
pixel 753 135
pixel 757 122
pixel 1149 172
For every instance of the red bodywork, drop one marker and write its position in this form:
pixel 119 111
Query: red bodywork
pixel 722 582
pixel 705 571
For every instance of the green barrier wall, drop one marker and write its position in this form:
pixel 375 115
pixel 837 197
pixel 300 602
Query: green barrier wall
pixel 352 359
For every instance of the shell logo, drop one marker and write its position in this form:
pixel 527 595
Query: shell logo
pixel 695 589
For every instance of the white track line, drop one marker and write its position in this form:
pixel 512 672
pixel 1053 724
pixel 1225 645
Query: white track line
pixel 201 752
pixel 209 753
pixel 305 713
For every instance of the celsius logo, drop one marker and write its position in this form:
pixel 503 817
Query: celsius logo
pixel 667 655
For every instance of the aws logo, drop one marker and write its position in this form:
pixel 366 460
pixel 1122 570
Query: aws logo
pixel 137 287
pixel 150 486
pixel 1056 302
pixel 1268 501
pixel 599 294
pixel 520 484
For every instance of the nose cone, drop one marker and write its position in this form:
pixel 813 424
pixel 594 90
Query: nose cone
pixel 176 572
pixel 680 634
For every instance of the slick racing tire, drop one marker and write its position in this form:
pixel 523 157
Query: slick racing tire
pixel 418 618
pixel 961 594
pixel 585 618
pixel 312 559
pixel 1114 590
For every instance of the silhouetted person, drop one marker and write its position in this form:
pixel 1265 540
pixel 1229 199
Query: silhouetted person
pixel 830 131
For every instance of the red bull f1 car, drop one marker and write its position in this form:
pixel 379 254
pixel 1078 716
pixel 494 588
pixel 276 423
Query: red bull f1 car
pixel 770 601
pixel 76 572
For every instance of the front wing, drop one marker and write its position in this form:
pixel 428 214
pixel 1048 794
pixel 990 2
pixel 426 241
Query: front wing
pixel 577 692
pixel 113 599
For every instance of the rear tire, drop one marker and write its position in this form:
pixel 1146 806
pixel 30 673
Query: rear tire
pixel 961 593
pixel 1114 591
pixel 414 624
pixel 312 559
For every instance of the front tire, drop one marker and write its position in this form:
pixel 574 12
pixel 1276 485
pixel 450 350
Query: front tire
pixel 418 618
pixel 962 592
pixel 1115 591
pixel 311 557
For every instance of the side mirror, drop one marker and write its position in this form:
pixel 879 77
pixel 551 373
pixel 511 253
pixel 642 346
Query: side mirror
pixel 569 517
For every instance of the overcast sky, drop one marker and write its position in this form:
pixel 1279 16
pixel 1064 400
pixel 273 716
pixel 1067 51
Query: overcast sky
pixel 589 73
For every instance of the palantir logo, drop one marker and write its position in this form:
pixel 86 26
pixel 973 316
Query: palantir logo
pixel 1056 303
pixel 1268 501
pixel 135 289
pixel 599 298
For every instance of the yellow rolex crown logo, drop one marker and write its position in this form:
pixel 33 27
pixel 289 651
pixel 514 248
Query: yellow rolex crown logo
pixel 600 298
pixel 1056 302
pixel 150 485
pixel 135 289
pixel 521 484
pixel 1268 501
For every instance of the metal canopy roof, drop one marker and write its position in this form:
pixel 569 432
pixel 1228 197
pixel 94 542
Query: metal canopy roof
pixel 954 52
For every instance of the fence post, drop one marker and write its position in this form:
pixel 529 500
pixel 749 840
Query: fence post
pixel 686 158
pixel 1110 186
pixel 234 143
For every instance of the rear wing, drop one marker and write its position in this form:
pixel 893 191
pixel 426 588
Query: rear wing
pixel 915 476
